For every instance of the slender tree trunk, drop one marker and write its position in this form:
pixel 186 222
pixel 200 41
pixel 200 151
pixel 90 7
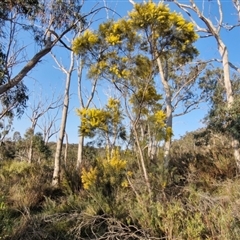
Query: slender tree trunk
pixel 152 144
pixel 226 71
pixel 57 162
pixel 142 161
pixel 82 105
pixel 228 87
pixel 215 32
pixel 30 151
pixel 169 110
pixel 80 152
pixel 66 150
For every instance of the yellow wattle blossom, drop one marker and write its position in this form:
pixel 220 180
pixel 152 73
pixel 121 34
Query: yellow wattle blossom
pixel 115 163
pixel 83 42
pixel 113 39
pixel 114 69
pixel 124 184
pixel 160 118
pixel 126 73
pixel 124 59
pixel 129 173
pixel 113 103
pixel 109 170
pixel 89 178
pixel 91 119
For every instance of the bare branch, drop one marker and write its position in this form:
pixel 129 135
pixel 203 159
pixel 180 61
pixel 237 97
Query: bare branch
pixel 234 67
pixel 220 16
pixel 38 56
pixel 191 80
pixel 188 109
pixel 132 2
pixel 236 4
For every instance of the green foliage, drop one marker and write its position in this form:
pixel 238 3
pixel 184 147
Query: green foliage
pixel 13 102
pixel 41 148
pixel 24 184
pixel 199 202
pixel 145 99
pixel 26 8
pixel 222 118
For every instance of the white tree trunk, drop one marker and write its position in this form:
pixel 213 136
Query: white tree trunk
pixel 226 71
pixel 82 105
pixel 228 87
pixel 152 145
pixel 30 150
pixel 142 160
pixel 215 32
pixel 57 161
pixel 66 150
pixel 169 110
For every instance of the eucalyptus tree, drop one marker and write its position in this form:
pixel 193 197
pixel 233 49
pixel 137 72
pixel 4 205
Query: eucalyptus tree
pixel 46 22
pixel 210 27
pixel 49 21
pixel 221 120
pixel 57 162
pixel 79 27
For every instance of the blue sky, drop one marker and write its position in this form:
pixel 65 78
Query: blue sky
pixel 46 79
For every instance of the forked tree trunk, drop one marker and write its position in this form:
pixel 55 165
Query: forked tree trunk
pixel 57 162
pixel 222 48
pixel 145 174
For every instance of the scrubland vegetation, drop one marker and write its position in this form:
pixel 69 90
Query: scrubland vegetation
pixel 198 199
pixel 127 177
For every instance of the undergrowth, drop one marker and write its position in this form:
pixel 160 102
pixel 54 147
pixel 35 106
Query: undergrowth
pixel 109 199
